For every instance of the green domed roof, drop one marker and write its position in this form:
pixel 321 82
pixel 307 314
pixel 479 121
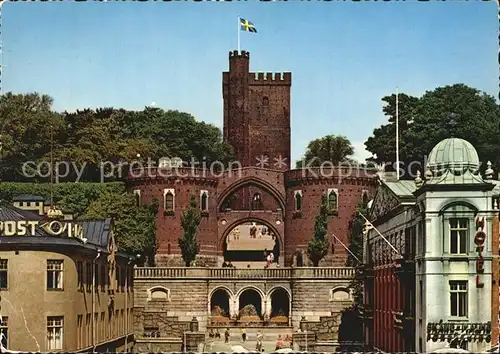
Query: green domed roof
pixel 455 155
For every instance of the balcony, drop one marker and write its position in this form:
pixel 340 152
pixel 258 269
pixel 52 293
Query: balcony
pixel 145 273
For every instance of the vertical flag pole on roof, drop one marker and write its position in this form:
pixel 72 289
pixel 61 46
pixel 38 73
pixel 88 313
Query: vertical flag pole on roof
pixel 239 30
pixel 397 132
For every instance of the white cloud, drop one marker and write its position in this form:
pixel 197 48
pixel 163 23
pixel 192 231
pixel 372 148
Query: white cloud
pixel 360 153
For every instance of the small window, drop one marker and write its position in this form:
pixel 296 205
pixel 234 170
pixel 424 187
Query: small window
pixel 103 277
pixel 159 293
pixel 4 331
pixel 256 202
pixel 169 201
pixel 54 275
pixel 55 327
pixel 88 276
pixel 298 200
pixel 137 194
pixel 117 279
pixel 4 274
pixel 365 199
pixel 332 200
pixel 204 201
pixel 458 298
pixel 96 276
pixel 265 101
pixel 123 278
pixel 79 271
pixel 459 230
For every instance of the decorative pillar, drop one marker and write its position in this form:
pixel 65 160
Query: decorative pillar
pixel 263 306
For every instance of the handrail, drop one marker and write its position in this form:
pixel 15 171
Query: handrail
pixel 243 273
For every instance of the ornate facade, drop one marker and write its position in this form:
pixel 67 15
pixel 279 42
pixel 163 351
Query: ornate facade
pixel 430 277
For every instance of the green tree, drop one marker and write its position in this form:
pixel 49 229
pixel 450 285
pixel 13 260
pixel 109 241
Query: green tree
pixel 71 197
pixel 190 220
pixel 89 137
pixel 330 148
pixel 134 226
pixel 318 246
pixel 452 111
pixel 25 123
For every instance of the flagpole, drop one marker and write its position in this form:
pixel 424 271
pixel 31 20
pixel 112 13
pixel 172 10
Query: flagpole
pixel 397 133
pixel 239 21
pixel 380 234
pixel 347 248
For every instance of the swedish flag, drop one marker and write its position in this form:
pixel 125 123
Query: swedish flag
pixel 247 26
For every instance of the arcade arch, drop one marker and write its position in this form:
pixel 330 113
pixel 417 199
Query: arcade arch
pixel 250 304
pixel 278 304
pixel 220 303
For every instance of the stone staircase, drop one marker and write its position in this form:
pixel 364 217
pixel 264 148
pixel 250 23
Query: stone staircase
pixel 253 265
pixel 241 240
pixel 269 333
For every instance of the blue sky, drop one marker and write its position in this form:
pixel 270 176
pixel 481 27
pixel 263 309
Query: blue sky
pixel 344 56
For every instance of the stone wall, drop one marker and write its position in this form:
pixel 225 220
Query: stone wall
pixel 181 299
pixel 317 298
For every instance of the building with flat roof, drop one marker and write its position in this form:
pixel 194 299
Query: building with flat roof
pixel 64 285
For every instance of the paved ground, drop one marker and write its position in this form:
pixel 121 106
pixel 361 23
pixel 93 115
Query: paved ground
pixel 235 346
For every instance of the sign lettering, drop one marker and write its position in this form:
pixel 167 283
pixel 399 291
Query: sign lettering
pixel 479 239
pixel 53 228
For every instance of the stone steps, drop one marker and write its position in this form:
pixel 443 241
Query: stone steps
pixel 269 333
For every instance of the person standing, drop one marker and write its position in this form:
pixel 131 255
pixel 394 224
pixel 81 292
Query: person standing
pixel 243 334
pixel 226 336
pixel 260 337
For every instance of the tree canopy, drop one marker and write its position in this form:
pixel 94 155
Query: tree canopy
pixel 134 226
pixel 89 137
pixel 452 111
pixel 333 149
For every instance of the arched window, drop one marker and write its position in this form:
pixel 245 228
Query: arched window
pixel 158 293
pixel 332 201
pixel 169 201
pixel 204 201
pixel 365 198
pixel 256 202
pixel 265 101
pixel 298 200
pixel 137 195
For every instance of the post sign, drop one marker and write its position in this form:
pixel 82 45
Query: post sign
pixel 479 240
pixel 51 227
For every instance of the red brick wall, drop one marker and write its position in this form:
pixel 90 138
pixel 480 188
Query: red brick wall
pixel 270 121
pixel 300 230
pixel 169 227
pixel 256 113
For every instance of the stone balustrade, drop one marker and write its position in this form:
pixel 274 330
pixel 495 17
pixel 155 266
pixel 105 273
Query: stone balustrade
pixel 144 273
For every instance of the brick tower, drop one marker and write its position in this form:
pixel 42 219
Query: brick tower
pixel 257 113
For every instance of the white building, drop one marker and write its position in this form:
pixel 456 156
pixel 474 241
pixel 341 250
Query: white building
pixel 439 279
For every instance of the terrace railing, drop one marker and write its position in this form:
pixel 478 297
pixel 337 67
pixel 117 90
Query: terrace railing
pixel 243 273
